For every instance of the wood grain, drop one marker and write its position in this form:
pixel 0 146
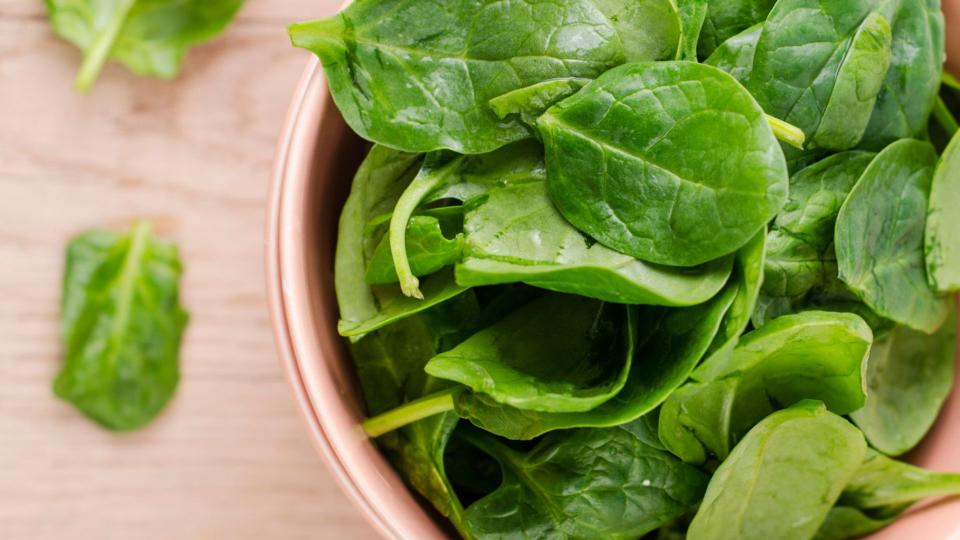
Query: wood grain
pixel 230 457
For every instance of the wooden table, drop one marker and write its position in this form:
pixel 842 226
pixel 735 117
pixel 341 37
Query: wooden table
pixel 230 457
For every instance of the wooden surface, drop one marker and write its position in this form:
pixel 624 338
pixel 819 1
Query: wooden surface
pixel 230 457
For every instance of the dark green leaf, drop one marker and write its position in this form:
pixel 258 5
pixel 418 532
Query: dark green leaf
pixel 879 237
pixel 121 324
pixel 501 249
pixel 530 102
pixel 586 483
pixel 667 190
pixel 735 55
pixel 428 250
pixel 727 18
pixel 782 479
pixel 148 36
pixel 942 237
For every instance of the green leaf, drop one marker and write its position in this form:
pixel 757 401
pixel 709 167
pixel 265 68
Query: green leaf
pixel 670 343
pixel 782 479
pixel 909 376
pixel 845 523
pixel 735 55
pixel 942 235
pixel 812 355
pixel 501 249
pixel 148 36
pixel 586 483
pixel 648 29
pixel 666 190
pixel 879 237
pixel 913 80
pixel 693 14
pixel 727 18
pixel 417 76
pixel 559 353
pixel 530 102
pixel 121 324
pixel 820 65
pixel 428 250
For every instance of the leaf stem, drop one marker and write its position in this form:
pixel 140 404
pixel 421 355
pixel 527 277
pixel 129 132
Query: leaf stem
pixel 951 81
pixel 409 413
pixel 786 132
pixel 96 55
pixel 945 117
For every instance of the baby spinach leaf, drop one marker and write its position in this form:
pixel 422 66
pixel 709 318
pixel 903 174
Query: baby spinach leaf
pixel 727 18
pixel 879 237
pixel 585 483
pixel 648 29
pixel 428 250
pixel 782 479
pixel 942 241
pixel 417 76
pixel 845 523
pixel 665 191
pixel 909 376
pixel 670 342
pixel 121 324
pixel 501 249
pixel 148 36
pixel 380 180
pixel 693 13
pixel 912 82
pixel 559 353
pixel 820 65
pixel 813 355
pixel 800 244
pixel 530 102
pixel 735 55
pixel 389 364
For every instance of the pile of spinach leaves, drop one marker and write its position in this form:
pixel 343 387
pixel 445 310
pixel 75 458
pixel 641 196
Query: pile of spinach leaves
pixel 679 267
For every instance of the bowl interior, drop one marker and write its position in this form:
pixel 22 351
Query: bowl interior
pixel 317 157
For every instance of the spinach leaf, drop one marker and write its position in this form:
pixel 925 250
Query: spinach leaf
pixel 380 180
pixel 782 479
pixel 559 353
pixel 390 364
pixel 912 82
pixel 670 343
pixel 909 376
pixel 813 355
pixel 501 249
pixel 735 55
pixel 942 243
pixel 879 243
pixel 585 483
pixel 648 29
pixel 121 324
pixel 820 65
pixel 666 191
pixel 148 36
pixel 693 14
pixel 530 102
pixel 844 523
pixel 727 18
pixel 428 250
pixel 417 76
pixel 800 252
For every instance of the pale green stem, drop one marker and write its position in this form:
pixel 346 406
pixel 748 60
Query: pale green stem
pixel 787 133
pixel 945 117
pixel 96 55
pixel 409 413
pixel 951 81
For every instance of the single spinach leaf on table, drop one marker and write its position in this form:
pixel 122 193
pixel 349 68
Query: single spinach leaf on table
pixel 820 65
pixel 585 483
pixel 389 364
pixel 559 353
pixel 727 18
pixel 148 36
pixel 500 247
pixel 417 76
pixel 813 355
pixel 912 82
pixel 879 237
pixel 735 55
pixel 670 342
pixel 667 190
pixel 942 233
pixel 378 184
pixel 782 479
pixel 121 325
pixel 909 376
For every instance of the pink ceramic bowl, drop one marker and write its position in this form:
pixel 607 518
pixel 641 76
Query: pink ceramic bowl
pixel 316 159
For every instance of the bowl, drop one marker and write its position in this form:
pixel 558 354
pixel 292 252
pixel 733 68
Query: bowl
pixel 316 158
